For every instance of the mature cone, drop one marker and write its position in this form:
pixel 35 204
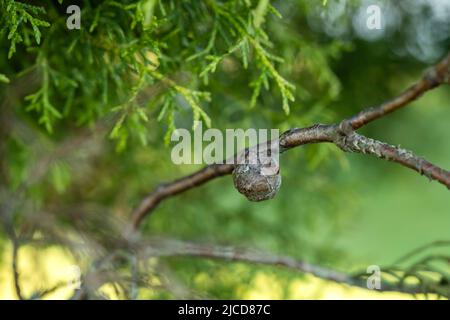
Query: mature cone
pixel 258 177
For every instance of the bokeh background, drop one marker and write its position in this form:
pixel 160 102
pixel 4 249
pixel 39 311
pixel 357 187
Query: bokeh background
pixel 70 178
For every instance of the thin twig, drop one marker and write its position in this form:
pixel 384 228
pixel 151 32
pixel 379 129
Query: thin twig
pixel 352 142
pixel 169 248
pixel 436 76
pixel 341 134
pixel 170 189
pixel 15 266
pixel 40 294
pixel 434 244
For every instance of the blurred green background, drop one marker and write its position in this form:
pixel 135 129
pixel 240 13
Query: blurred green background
pixel 73 175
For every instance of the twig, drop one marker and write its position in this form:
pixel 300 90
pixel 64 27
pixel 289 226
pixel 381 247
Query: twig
pixel 168 248
pixel 170 189
pixel 15 268
pixel 135 275
pixel 434 244
pixel 436 76
pixel 353 142
pixel 40 294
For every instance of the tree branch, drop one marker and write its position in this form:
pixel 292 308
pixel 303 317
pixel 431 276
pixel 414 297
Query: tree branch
pixel 341 134
pixel 170 248
pixel 353 142
pixel 436 76
pixel 178 186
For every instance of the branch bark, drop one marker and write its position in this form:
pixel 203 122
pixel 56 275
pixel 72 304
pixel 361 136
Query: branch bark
pixel 341 134
pixel 178 186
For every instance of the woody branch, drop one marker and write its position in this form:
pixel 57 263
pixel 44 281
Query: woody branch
pixel 341 134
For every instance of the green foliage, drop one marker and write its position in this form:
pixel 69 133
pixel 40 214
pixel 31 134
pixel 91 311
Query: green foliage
pixel 126 49
pixel 4 78
pixel 87 115
pixel 20 21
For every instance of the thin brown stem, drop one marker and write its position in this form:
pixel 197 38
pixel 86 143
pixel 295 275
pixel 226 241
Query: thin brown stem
pixel 15 267
pixel 178 186
pixel 436 76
